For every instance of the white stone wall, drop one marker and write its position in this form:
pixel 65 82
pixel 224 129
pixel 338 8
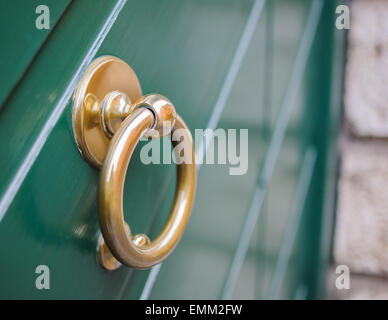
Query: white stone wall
pixel 367 69
pixel 361 236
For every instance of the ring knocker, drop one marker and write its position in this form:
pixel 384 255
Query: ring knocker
pixel 110 115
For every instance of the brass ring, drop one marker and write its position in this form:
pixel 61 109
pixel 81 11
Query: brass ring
pixel 110 115
pixel 138 251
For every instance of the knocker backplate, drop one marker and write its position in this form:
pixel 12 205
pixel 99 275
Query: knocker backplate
pixel 104 75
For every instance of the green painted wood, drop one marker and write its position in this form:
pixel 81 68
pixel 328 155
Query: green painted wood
pixel 48 200
pixel 279 221
pixel 200 263
pixel 231 195
pixel 21 39
pixel 57 217
pixel 29 108
pixel 328 63
pixel 288 23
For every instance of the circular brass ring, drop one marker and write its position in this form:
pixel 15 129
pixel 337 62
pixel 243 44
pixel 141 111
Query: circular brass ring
pixel 138 251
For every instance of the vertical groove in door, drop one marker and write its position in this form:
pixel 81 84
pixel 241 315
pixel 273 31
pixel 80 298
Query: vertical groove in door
pixel 40 141
pixel 274 147
pixel 21 72
pixel 231 75
pixel 233 70
pixel 293 223
pixel 267 102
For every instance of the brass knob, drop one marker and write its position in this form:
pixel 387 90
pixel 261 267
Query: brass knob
pixel 109 118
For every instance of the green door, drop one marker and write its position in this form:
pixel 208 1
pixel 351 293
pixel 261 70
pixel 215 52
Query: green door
pixel 272 67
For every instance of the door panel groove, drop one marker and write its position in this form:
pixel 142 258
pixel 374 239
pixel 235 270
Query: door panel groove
pixel 291 231
pixel 231 75
pixel 227 85
pixel 40 141
pixel 274 147
pixel 26 42
pixel 255 65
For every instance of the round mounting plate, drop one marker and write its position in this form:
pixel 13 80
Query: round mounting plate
pixel 105 74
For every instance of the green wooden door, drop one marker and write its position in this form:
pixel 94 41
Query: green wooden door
pixel 266 66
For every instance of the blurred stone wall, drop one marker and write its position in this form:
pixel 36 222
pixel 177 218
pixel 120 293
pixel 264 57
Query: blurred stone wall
pixel 361 236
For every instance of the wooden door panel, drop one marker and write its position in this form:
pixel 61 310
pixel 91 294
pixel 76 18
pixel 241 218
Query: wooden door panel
pixel 201 262
pixel 38 101
pixel 249 64
pixel 61 210
pixel 20 38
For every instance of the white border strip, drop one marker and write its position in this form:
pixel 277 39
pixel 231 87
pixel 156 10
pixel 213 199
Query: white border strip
pixel 150 282
pixel 25 167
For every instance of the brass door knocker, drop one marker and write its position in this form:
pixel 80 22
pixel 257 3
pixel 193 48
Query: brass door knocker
pixel 110 115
